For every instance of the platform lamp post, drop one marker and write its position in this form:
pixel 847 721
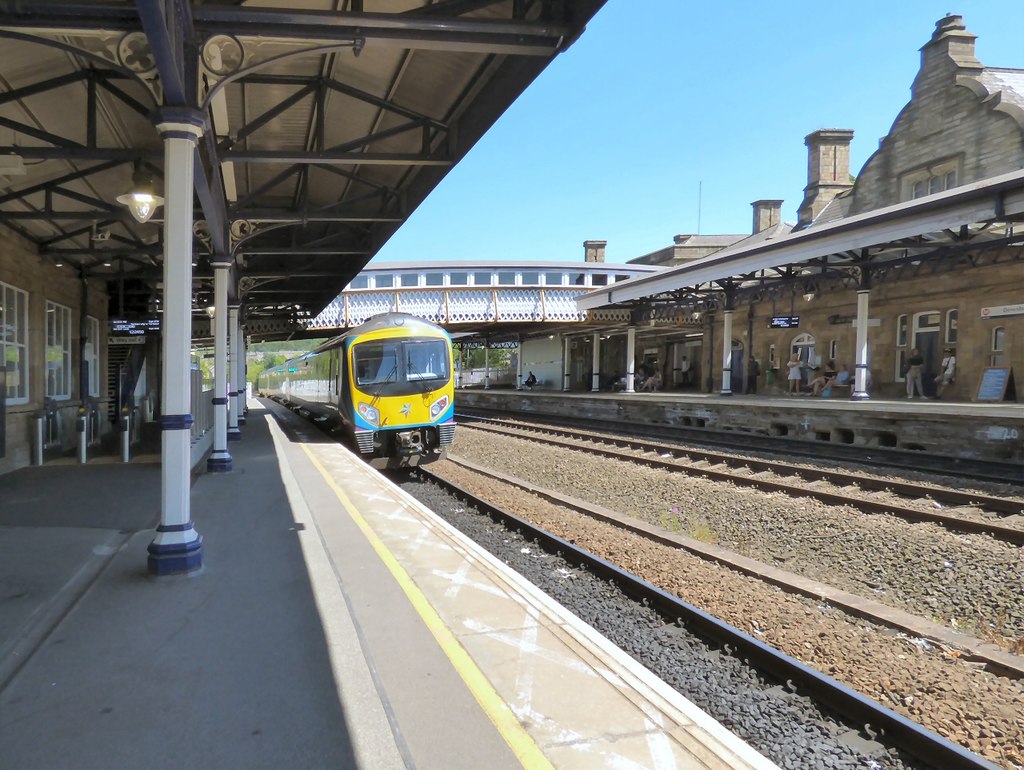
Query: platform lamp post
pixel 220 458
pixel 177 547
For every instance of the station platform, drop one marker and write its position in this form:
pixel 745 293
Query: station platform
pixel 335 623
pixel 989 431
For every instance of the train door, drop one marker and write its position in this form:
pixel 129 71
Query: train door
pixel 927 328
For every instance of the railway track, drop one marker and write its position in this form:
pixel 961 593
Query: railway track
pixel 974 514
pixel 881 457
pixel 870 718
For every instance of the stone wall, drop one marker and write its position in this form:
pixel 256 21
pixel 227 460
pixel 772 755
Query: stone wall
pixel 23 268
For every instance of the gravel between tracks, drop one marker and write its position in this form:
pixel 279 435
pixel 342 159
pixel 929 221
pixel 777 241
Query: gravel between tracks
pixel 920 568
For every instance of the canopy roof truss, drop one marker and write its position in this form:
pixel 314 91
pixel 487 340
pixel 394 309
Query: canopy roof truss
pixel 967 227
pixel 328 122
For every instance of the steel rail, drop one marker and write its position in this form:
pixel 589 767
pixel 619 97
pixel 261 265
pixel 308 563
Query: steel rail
pixel 883 457
pixel 855 707
pixel 1009 534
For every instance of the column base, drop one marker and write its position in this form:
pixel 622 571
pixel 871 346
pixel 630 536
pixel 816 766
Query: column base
pixel 175 551
pixel 234 434
pixel 860 396
pixel 725 393
pixel 219 462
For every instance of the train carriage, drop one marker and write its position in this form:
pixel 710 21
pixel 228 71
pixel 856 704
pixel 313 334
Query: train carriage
pixel 388 386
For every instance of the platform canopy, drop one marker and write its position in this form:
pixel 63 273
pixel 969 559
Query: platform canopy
pixel 974 224
pixel 328 123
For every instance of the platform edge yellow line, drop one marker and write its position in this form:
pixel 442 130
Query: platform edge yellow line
pixel 501 716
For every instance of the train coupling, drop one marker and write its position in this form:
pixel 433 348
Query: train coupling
pixel 410 442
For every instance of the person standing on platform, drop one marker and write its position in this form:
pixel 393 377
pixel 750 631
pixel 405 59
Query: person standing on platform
pixel 793 377
pixel 684 370
pixel 914 365
pixel 945 377
pixel 753 371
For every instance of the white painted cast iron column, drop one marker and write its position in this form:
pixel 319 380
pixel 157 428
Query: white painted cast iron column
pixel 727 354
pixel 238 372
pixel 519 366
pixel 487 366
pixel 177 547
pixel 566 363
pixel 220 458
pixel 630 359
pixel 595 364
pixel 860 379
pixel 234 434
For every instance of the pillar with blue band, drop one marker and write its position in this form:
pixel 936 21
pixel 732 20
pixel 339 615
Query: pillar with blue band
pixel 220 459
pixel 177 547
pixel 234 406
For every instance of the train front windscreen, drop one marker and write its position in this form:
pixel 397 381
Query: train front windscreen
pixel 400 367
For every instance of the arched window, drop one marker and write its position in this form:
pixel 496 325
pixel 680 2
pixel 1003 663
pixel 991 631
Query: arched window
pixel 998 357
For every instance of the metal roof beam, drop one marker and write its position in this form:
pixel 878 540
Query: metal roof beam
pixel 445 33
pixel 302 217
pixel 335 158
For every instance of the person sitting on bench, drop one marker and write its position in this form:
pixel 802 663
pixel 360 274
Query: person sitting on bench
pixel 531 380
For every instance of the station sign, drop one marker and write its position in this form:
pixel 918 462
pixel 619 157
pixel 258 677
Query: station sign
pixel 1001 311
pixel 784 322
pixel 134 327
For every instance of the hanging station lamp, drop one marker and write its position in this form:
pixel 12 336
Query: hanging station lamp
pixel 141 200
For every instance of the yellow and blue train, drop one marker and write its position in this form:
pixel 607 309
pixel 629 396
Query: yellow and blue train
pixel 387 386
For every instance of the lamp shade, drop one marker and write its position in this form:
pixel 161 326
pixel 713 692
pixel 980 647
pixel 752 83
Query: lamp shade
pixel 141 201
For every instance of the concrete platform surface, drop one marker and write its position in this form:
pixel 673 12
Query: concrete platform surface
pixel 335 624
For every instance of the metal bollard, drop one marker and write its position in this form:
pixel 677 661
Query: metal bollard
pixel 126 437
pixel 40 431
pixel 83 436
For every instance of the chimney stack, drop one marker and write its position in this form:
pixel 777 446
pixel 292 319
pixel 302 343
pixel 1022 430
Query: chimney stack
pixel 828 171
pixel 766 214
pixel 951 41
pixel 593 251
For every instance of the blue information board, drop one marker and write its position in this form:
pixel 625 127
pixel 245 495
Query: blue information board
pixel 996 384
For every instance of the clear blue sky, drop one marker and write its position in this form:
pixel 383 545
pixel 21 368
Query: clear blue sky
pixel 660 100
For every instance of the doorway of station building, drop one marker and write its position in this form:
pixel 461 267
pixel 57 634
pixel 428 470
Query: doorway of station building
pixel 927 339
pixel 803 345
pixel 737 384
pixel 686 356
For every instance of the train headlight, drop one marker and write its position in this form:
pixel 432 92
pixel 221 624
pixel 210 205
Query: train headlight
pixel 370 414
pixel 438 407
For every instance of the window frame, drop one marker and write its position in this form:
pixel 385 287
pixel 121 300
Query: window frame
pixel 18 339
pixel 58 337
pixel 91 358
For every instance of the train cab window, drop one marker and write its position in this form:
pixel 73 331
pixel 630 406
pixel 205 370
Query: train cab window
pixel 400 367
pixel 433 279
pixel 506 278
pixel 481 279
pixel 410 279
pixel 458 279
